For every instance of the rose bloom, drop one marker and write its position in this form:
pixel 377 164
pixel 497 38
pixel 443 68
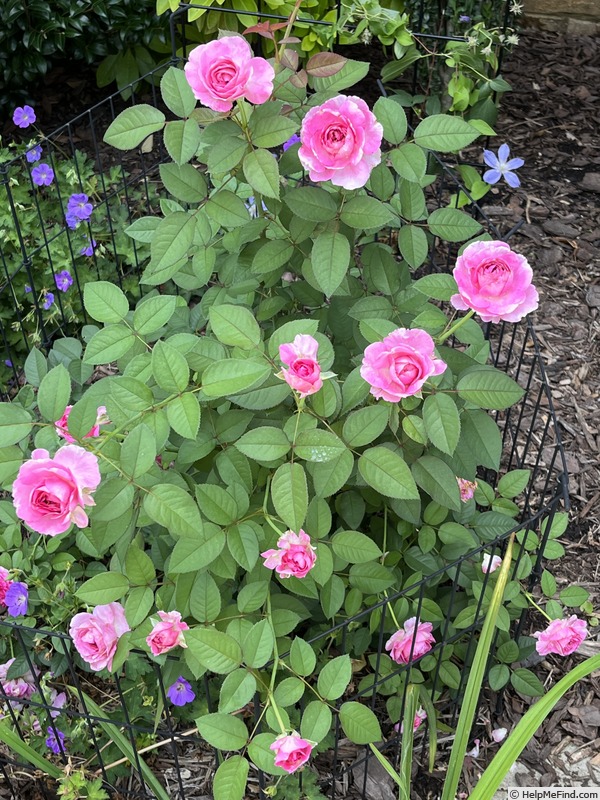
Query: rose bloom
pixel 341 142
pixel 562 636
pixel 96 634
pixel 490 563
pixel 467 489
pixel 51 493
pixel 225 70
pixel 495 282
pixel 291 751
pixel 398 366
pixel 405 641
pixel 303 373
pixel 295 556
pixel 21 688
pixel 167 634
pixel 5 583
pixel 62 428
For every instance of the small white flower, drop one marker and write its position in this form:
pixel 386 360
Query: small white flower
pixel 516 8
pixel 512 39
pixel 474 753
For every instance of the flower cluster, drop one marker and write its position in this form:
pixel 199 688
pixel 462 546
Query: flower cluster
pixel 13 594
pixel 79 209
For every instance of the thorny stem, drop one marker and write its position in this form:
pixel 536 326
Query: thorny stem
pixel 453 328
pixel 288 30
pixel 270 694
pixel 535 605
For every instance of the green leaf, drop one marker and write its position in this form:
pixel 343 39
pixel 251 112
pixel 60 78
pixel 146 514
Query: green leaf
pixel 177 93
pixel 514 482
pixel 139 568
pixel 54 393
pixel 302 657
pixel 235 326
pixel 169 367
pixel 392 117
pixel 205 598
pixel 482 437
pixel 113 498
pixel 217 504
pixel 257 647
pixel 330 258
pixel 311 203
pixel 335 677
pixel 489 388
pixel 436 478
pixel 230 779
pixel 438 286
pixel 366 212
pixel 222 731
pixel 109 344
pixel 182 139
pixel 170 246
pixel 270 129
pixel 223 378
pixel 352 72
pixel 35 366
pixel 548 584
pixel 264 444
pixel 316 721
pixel 192 553
pixel 410 162
pixel 574 596
pixel 289 493
pixel 237 690
pixel 173 508
pixel 132 126
pixel 227 209
pixel 387 472
pixel 413 245
pixel 138 604
pixel 15 423
pixel 226 155
pixel 329 477
pixel 183 415
pixel 444 133
pixel 525 682
pixel 498 677
pixel 288 692
pixel 216 651
pixel 183 182
pixel 442 422
pixel 243 545
pixel 107 587
pixel 453 225
pixel 152 313
pixel 262 756
pixel 449 674
pixel 105 302
pixel 355 547
pixel 371 578
pixel 365 425
pixel 142 229
pixel 359 723
pixel 262 172
pixel 272 255
pixel 318 445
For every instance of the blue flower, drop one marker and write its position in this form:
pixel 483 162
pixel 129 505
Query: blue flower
pixel 42 175
pixel 88 250
pixel 501 166
pixel 24 116
pixel 180 692
pixel 79 207
pixel 48 301
pixel 295 139
pixel 8 362
pixel 63 280
pixel 16 599
pixel 464 18
pixel 34 154
pixel 55 740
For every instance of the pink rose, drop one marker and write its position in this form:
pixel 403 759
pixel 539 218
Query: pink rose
pixel 62 429
pixel 224 70
pixel 490 563
pixel 51 493
pixel 21 688
pixel 4 584
pixel 562 636
pixel 296 556
pixel 466 488
pixel 304 373
pixel 341 142
pixel 95 635
pixel 167 634
pixel 415 638
pixel 291 751
pixel 398 366
pixel 494 282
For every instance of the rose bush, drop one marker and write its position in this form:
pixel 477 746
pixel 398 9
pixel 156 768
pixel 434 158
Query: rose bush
pixel 286 461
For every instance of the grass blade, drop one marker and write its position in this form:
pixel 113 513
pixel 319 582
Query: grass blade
pixel 432 725
pixel 24 751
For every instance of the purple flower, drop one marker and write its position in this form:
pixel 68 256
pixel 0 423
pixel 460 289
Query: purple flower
pixel 180 692
pixel 88 250
pixel 79 206
pixel 34 154
pixel 464 18
pixel 48 301
pixel 63 280
pixel 24 116
pixel 501 166
pixel 42 175
pixel 16 599
pixel 55 740
pixel 71 220
pixel 295 139
pixel 27 288
pixel 8 362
